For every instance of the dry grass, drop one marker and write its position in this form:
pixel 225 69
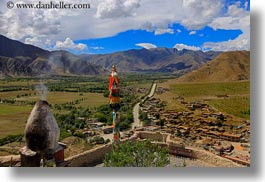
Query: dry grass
pixel 228 66
pixel 18 83
pixel 13 119
pixel 238 103
pixel 11 148
pixel 142 85
pixel 202 90
pixel 237 106
pixel 25 82
pixel 171 103
pixel 75 146
pixel 13 94
pixel 90 99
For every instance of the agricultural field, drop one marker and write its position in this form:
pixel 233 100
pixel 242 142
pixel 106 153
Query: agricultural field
pixel 229 97
pixel 193 91
pixel 79 96
pixel 235 105
pixel 70 99
pixel 13 119
pixel 86 99
pixel 18 82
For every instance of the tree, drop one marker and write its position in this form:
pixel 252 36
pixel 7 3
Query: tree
pixel 219 123
pixel 124 125
pixel 178 134
pixel 106 93
pixel 137 154
pixel 157 115
pixel 101 117
pixel 146 122
pixel 161 123
pixel 221 117
pixel 143 115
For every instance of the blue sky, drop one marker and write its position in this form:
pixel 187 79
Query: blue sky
pixel 128 40
pixel 179 35
pixel 118 25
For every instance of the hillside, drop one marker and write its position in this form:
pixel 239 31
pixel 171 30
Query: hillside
pixel 153 60
pixel 18 59
pixel 228 66
pixel 12 48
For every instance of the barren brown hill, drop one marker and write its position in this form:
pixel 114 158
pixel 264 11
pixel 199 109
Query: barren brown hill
pixel 161 60
pixel 228 66
pixel 19 59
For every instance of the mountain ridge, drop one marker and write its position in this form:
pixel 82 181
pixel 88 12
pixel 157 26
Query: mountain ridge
pixel 228 66
pixel 19 59
pixel 156 60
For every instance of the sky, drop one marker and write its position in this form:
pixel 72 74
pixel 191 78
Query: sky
pixel 118 25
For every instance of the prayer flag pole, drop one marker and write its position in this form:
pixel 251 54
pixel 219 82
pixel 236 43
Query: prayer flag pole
pixel 114 96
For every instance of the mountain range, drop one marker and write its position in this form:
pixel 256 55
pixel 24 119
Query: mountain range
pixel 19 59
pixel 164 60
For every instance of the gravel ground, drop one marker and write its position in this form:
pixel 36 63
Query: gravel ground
pixel 187 162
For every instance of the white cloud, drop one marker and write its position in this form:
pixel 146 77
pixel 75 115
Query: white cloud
pixel 33 41
pixel 146 45
pixel 183 46
pixel 117 8
pixel 97 48
pixel 200 13
pixel 178 30
pixel 21 23
pixel 109 17
pixel 68 44
pixel 105 18
pixel 246 4
pixel 39 41
pixel 235 10
pixel 238 44
pixel 192 33
pixel 48 42
pixel 237 18
pixel 163 31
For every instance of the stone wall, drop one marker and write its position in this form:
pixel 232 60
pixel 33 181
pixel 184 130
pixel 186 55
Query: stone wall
pixel 90 157
pixel 157 136
pixel 213 159
pixel 94 156
pixel 10 160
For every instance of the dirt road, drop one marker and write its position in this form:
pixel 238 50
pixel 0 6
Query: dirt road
pixel 136 108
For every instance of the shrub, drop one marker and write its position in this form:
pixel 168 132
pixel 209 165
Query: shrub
pixel 161 123
pixel 64 134
pixel 10 139
pixel 137 154
pixel 124 125
pixel 79 134
pixel 107 141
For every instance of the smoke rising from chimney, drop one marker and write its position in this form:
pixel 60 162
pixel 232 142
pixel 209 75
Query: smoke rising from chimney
pixel 42 91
